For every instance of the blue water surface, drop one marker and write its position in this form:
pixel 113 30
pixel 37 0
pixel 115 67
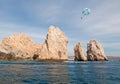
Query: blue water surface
pixel 68 72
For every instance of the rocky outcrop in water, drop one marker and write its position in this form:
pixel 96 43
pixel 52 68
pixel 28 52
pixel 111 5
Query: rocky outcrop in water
pixel 79 53
pixel 20 45
pixel 55 46
pixel 95 51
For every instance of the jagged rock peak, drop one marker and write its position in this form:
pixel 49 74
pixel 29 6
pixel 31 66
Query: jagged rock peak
pixel 20 45
pixel 17 38
pixel 79 53
pixel 56 32
pixel 95 51
pixel 55 46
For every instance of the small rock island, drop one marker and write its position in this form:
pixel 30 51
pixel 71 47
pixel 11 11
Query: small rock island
pixel 95 52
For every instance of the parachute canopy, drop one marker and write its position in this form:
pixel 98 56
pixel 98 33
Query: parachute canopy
pixel 86 11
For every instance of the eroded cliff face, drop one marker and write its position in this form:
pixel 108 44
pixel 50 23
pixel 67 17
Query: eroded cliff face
pixel 55 46
pixel 79 53
pixel 19 45
pixel 95 51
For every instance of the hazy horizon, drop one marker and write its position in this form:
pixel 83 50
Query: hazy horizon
pixel 33 17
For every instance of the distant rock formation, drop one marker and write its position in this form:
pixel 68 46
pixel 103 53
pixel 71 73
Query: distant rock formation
pixel 55 46
pixel 95 51
pixel 79 53
pixel 20 45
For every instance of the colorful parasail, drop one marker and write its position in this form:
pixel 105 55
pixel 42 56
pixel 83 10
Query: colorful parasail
pixel 85 12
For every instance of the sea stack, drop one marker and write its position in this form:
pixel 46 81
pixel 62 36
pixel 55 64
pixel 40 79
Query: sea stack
pixel 18 46
pixel 95 51
pixel 79 53
pixel 55 45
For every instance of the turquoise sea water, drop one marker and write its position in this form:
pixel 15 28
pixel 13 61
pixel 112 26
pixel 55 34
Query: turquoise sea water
pixel 68 72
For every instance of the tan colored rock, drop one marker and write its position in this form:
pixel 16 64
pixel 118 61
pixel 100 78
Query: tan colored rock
pixel 55 46
pixel 20 45
pixel 79 53
pixel 95 51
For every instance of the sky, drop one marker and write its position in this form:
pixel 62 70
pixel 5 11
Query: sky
pixel 33 17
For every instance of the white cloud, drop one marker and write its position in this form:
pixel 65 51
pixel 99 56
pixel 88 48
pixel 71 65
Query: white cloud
pixel 44 12
pixel 112 45
pixel 11 28
pixel 105 27
pixel 111 48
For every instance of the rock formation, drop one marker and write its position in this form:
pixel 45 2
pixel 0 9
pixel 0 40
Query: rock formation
pixel 4 56
pixel 95 51
pixel 79 53
pixel 55 46
pixel 20 45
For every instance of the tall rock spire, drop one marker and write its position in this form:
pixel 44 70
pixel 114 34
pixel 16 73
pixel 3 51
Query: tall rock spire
pixel 95 51
pixel 55 46
pixel 79 53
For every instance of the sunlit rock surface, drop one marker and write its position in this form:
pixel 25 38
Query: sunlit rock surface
pixel 95 51
pixel 19 45
pixel 79 53
pixel 55 45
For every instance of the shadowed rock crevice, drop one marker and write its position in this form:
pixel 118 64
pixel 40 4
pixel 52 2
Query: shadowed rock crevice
pixel 35 57
pixel 4 56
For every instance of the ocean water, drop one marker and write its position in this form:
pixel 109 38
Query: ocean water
pixel 68 72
